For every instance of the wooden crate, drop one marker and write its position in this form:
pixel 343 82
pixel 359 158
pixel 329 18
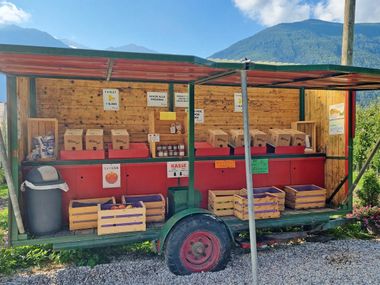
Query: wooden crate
pixel 121 220
pixel 310 129
pixel 258 138
pixel 217 138
pixel 83 213
pixel 265 205
pixel 305 196
pixel 280 194
pixel 221 202
pixel 162 127
pixel 154 203
pixel 43 127
pixel 279 137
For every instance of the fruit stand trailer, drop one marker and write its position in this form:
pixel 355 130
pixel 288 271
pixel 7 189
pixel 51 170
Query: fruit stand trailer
pixel 67 84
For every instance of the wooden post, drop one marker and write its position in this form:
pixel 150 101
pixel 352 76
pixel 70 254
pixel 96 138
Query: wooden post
pixel 348 32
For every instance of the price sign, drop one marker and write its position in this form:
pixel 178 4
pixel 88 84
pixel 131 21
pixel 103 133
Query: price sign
pixel 260 166
pixel 154 138
pixel 111 175
pixel 225 164
pixel 111 99
pixel 177 169
pixel 157 99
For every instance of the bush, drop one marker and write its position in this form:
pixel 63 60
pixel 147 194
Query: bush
pixel 369 217
pixel 370 192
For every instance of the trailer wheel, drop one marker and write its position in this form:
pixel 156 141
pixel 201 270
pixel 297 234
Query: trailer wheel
pixel 198 243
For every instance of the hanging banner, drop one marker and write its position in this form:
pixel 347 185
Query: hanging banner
pixel 111 99
pixel 199 116
pixel 181 100
pixel 177 169
pixel 238 103
pixel 260 166
pixel 157 99
pixel 336 119
pixel 111 175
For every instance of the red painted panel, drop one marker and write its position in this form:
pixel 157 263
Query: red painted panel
pixel 279 173
pixel 308 171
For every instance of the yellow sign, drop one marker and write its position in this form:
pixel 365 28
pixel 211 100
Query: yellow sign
pixel 225 164
pixel 168 116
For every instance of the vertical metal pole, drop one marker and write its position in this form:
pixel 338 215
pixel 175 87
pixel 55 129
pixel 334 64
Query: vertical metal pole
pixel 249 179
pixel 348 32
pixel 190 149
pixel 350 147
pixel 171 97
pixel 302 104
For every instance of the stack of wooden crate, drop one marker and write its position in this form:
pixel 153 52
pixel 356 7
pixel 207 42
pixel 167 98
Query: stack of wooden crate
pixel 154 203
pixel 221 202
pixel 305 196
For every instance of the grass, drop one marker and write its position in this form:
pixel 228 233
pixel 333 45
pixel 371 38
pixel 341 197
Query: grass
pixel 3 192
pixel 351 230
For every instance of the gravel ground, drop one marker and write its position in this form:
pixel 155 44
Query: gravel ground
pixel 334 262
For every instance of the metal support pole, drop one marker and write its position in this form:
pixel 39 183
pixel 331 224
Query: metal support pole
pixel 190 150
pixel 348 32
pixel 249 179
pixel 302 104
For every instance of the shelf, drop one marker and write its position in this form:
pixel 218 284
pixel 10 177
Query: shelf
pixel 166 159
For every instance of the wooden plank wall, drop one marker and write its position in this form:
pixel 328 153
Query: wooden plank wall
pixel 23 91
pixel 79 104
pixel 317 109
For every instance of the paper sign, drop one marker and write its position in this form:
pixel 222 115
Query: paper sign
pixel 111 175
pixel 111 99
pixel 157 99
pixel 168 116
pixel 181 100
pixel 154 138
pixel 177 169
pixel 199 116
pixel 225 164
pixel 260 166
pixel 238 102
pixel 336 119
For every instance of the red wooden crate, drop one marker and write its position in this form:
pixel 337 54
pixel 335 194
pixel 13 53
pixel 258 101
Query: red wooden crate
pixel 136 150
pixel 81 154
pixel 206 149
pixel 285 149
pixel 255 150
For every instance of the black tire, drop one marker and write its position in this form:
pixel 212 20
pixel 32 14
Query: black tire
pixel 199 226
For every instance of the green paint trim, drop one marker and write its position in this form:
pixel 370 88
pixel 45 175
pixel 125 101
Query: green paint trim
pixel 337 157
pixel 191 151
pixel 32 98
pixel 13 147
pixel 171 97
pixel 350 149
pixel 165 159
pixel 168 226
pixel 302 104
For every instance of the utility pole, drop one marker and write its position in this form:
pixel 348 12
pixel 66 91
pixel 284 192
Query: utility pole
pixel 348 32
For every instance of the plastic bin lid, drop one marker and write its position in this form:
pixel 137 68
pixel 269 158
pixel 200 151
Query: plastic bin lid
pixel 44 178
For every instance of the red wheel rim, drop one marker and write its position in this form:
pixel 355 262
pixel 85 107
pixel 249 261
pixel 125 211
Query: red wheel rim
pixel 200 251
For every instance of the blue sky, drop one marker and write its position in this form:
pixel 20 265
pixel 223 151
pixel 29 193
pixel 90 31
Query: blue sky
pixel 199 27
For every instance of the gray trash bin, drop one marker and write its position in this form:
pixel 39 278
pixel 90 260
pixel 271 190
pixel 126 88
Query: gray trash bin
pixel 43 188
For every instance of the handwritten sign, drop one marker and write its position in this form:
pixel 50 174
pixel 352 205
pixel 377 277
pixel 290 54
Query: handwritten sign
pixel 111 175
pixel 260 166
pixel 238 103
pixel 154 138
pixel 181 100
pixel 157 99
pixel 177 169
pixel 199 116
pixel 225 164
pixel 111 99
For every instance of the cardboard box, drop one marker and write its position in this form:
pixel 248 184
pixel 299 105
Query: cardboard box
pixel 236 137
pixel 73 139
pixel 298 138
pixel 94 139
pixel 279 137
pixel 258 138
pixel 120 139
pixel 217 138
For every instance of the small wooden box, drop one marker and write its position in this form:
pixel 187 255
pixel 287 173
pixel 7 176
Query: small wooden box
pixel 279 137
pixel 221 202
pixel 310 129
pixel 280 194
pixel 236 137
pixel 217 138
pixel 265 205
pixel 258 138
pixel 121 220
pixel 83 213
pixel 73 139
pixel 120 139
pixel 305 196
pixel 43 127
pixel 297 138
pixel 94 139
pixel 154 204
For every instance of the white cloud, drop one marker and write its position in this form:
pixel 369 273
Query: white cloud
pixel 10 14
pixel 272 12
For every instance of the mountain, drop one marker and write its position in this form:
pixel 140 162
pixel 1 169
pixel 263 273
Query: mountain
pixel 132 48
pixel 72 44
pixel 11 34
pixel 309 42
